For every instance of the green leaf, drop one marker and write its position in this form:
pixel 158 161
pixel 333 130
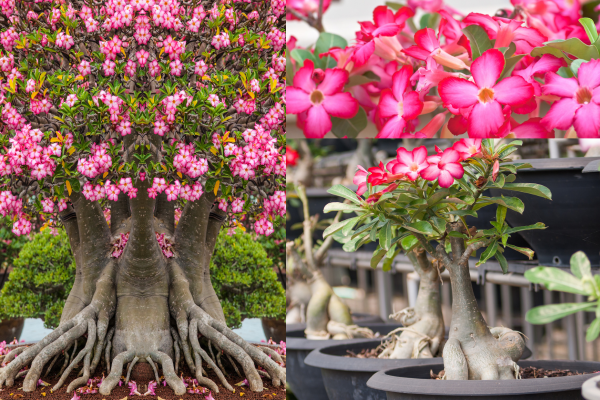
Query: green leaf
pixel 422 227
pixel 575 66
pixel 575 47
pixel 394 6
pixel 479 40
pixel 409 242
pixel 555 279
pixel 590 28
pixel 385 236
pixel 352 245
pixel 537 225
pixel 501 214
pixel 580 265
pixel 328 40
pixel 457 235
pixel 335 227
pixel 389 258
pixel 552 312
pixel 488 253
pixel 439 224
pixel 565 72
pixel 514 203
pixel 502 261
pixel 349 127
pixel 540 51
pixel 377 256
pixel 523 250
pixel 350 223
pixel 593 331
pixel 342 191
pixel 510 64
pixel 462 213
pixel 301 54
pixel 341 207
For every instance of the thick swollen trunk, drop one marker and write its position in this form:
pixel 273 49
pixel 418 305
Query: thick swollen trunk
pixel 126 305
pixel 423 330
pixel 473 351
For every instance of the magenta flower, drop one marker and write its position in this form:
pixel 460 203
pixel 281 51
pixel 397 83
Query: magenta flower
pixel 360 179
pixel 445 168
pixel 399 104
pixel 580 101
pixel 317 95
pixel 485 97
pixel 468 148
pixel 409 163
pixel 428 47
pixel 151 387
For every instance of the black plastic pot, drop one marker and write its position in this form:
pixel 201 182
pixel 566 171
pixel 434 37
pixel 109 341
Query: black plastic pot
pixel 346 378
pixel 571 216
pixel 304 381
pixel 414 383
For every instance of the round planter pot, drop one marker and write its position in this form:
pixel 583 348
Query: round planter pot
pixel 11 328
pixel 414 383
pixel 571 216
pixel 591 389
pixel 346 378
pixel 307 382
pixel 274 328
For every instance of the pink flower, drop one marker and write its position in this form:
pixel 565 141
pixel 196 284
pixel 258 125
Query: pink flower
pixel 495 170
pixel 579 103
pixel 209 397
pixel 316 95
pixel 428 47
pixel 133 388
pixel 304 7
pixel 223 205
pixel 360 179
pixel 410 163
pixel 172 192
pixel 485 97
pixel 398 104
pixel 151 387
pixel 468 148
pixel 48 205
pixel 75 397
pixel 445 168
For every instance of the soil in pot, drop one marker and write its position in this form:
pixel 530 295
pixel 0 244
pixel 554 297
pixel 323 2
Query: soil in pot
pixel 306 382
pixel 415 383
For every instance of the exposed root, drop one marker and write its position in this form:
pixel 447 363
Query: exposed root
pixel 270 352
pixel 84 353
pixel 102 337
pixel 107 351
pixel 193 332
pixel 51 365
pixel 237 371
pixel 154 369
pixel 176 342
pixel 201 379
pixel 219 352
pixel 13 353
pixel 135 360
pixel 169 372
pixel 116 369
pixel 86 374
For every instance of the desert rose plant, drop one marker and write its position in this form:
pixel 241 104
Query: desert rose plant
pixel 312 299
pixel 119 118
pixel 416 200
pixel 469 73
pixel 579 281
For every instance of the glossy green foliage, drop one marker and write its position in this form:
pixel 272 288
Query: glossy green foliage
pixel 41 280
pixel 243 277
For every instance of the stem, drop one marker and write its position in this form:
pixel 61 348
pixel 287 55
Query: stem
pixel 308 244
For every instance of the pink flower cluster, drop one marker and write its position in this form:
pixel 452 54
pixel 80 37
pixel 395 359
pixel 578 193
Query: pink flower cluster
pixel 263 227
pixel 187 163
pixel 275 204
pixel 26 152
pixel 119 245
pixel 98 163
pixel 165 245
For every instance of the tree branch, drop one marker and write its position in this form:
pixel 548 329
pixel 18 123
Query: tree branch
pixel 464 259
pixel 307 236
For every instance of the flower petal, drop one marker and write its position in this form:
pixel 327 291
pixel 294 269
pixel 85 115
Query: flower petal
pixel 513 91
pixel 420 154
pixel 487 69
pixel 589 74
pixel 341 105
pixel 386 30
pixel 485 120
pixel 431 173
pixel 426 39
pixel 587 121
pixel 559 86
pixel 450 156
pixel 393 128
pixel 303 77
pixel 404 156
pixel 456 169
pixel 297 100
pixel 382 15
pixel 400 81
pixel 388 105
pixel 445 179
pixel 362 54
pixel 561 114
pixel 412 105
pixel 532 129
pixel 317 123
pixel 460 93
pixel 334 81
pixel 417 52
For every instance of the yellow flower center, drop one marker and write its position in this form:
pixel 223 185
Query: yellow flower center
pixel 486 95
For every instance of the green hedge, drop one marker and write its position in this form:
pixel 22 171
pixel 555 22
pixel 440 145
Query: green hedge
pixel 41 280
pixel 244 279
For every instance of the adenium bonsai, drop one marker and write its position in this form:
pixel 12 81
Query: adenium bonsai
pixel 447 73
pixel 312 298
pixel 119 118
pixel 416 200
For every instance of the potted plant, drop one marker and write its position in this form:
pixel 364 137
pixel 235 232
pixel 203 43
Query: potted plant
pixel 246 284
pixel 579 281
pixel 416 200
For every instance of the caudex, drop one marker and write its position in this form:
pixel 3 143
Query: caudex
pixel 415 200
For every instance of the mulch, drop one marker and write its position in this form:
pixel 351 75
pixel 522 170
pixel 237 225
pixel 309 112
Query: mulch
pixel 144 375
pixel 365 353
pixel 532 373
